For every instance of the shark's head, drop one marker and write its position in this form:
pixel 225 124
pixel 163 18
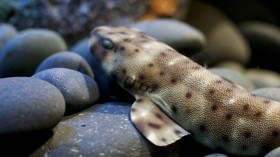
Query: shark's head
pixel 130 57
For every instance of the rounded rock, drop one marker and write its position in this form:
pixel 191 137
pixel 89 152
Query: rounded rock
pixel 23 53
pixel 272 93
pixel 264 39
pixel 178 35
pixel 224 40
pixel 79 90
pixel 263 78
pixel 29 105
pixel 234 76
pixel 101 130
pixel 231 65
pixel 274 153
pixel 67 60
pixel 7 32
pixel 216 155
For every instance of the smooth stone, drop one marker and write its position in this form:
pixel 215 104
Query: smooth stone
pixel 79 90
pixel 230 65
pixel 272 93
pixel 263 78
pixel 264 39
pixel 109 89
pixel 101 130
pixel 234 76
pixel 23 53
pixel 177 34
pixel 29 105
pixel 274 153
pixel 67 60
pixel 216 155
pixel 7 32
pixel 81 47
pixel 224 40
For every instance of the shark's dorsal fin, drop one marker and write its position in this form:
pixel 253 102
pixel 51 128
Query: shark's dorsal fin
pixel 154 124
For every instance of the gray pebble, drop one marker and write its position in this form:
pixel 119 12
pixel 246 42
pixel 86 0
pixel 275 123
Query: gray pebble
pixel 263 78
pixel 264 39
pixel 101 130
pixel 23 53
pixel 216 155
pixel 224 40
pixel 231 65
pixel 234 76
pixel 7 32
pixel 272 93
pixel 178 35
pixel 79 90
pixel 274 153
pixel 81 47
pixel 29 105
pixel 67 60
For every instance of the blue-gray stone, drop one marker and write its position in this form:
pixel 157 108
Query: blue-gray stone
pixel 29 105
pixel 67 60
pixel 101 130
pixel 178 35
pixel 79 90
pixel 263 77
pixel 23 53
pixel 7 32
pixel 274 153
pixel 272 93
pixel 234 76
pixel 216 155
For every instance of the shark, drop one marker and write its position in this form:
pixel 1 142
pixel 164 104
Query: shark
pixel 176 97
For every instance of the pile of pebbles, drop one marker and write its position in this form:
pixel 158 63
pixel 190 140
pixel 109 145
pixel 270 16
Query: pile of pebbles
pixel 57 101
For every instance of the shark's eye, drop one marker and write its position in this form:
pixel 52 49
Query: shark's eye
pixel 107 44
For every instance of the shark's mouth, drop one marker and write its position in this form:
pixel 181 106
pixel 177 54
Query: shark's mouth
pixel 133 84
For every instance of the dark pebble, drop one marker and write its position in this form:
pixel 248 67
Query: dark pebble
pixel 23 53
pixel 67 60
pixel 79 90
pixel 29 105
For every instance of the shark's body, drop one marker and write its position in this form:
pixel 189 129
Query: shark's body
pixel 216 112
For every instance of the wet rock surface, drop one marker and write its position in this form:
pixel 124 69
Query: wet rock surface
pixel 272 93
pixel 67 60
pixel 23 53
pixel 7 32
pixel 25 108
pixel 233 76
pixel 179 35
pixel 219 29
pixel 263 78
pixel 102 130
pixel 79 90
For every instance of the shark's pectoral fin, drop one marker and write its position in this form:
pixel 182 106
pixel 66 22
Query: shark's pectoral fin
pixel 154 124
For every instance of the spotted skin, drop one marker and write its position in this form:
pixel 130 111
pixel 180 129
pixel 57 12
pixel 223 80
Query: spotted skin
pixel 219 113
